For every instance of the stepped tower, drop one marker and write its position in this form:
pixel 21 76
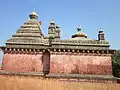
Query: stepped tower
pixel 29 33
pixel 20 52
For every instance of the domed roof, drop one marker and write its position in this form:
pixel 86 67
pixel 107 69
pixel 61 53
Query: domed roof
pixel 79 33
pixel 33 15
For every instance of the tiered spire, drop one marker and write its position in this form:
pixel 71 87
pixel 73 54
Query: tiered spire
pixel 58 31
pixel 53 30
pixel 29 32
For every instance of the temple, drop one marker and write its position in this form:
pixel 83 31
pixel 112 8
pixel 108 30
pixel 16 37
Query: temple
pixel 30 51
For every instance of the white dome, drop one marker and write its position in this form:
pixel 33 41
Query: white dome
pixel 33 13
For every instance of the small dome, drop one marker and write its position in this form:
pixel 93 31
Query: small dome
pixel 33 15
pixel 79 33
pixel 52 24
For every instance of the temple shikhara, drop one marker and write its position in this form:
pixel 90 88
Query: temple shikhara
pixel 28 50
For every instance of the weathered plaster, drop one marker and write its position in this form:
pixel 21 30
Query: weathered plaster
pixel 22 62
pixel 80 64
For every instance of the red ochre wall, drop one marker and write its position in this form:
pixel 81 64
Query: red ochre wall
pixel 22 62
pixel 59 63
pixel 80 64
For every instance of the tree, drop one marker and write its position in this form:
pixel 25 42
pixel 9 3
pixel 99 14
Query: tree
pixel 116 64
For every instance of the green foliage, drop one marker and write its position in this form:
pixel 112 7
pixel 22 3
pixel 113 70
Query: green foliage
pixel 116 64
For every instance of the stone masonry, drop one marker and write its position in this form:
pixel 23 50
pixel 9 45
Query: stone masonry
pixel 30 51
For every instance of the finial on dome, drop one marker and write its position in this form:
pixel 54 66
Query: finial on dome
pixel 101 35
pixel 52 21
pixel 79 28
pixel 33 15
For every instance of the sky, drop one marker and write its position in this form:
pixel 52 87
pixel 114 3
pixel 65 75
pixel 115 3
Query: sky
pixel 91 15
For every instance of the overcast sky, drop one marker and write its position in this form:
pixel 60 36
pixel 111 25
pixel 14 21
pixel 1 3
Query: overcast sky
pixel 90 14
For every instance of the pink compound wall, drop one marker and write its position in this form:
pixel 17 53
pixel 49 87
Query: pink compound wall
pixel 22 62
pixel 59 63
pixel 80 64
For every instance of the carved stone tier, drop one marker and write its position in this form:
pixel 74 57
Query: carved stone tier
pixel 28 33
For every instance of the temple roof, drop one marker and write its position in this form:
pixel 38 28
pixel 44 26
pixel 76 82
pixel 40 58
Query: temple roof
pixel 29 32
pixel 29 35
